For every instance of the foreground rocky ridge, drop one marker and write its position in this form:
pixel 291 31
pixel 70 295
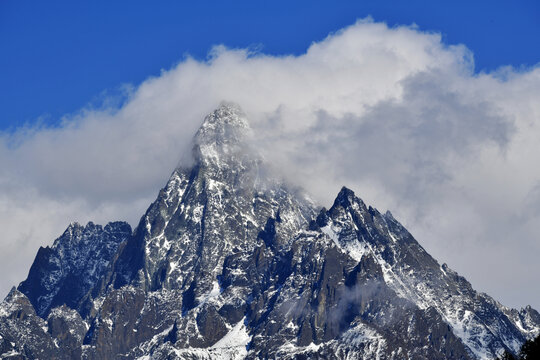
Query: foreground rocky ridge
pixel 229 263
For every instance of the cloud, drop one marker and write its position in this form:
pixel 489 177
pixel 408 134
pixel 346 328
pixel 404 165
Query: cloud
pixel 393 113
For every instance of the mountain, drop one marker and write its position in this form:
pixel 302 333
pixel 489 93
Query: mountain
pixel 230 262
pixel 64 273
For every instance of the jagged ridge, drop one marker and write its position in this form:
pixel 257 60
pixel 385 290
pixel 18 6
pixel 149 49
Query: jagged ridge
pixel 65 272
pixel 229 263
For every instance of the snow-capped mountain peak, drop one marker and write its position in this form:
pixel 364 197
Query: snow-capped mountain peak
pixel 230 263
pixel 222 135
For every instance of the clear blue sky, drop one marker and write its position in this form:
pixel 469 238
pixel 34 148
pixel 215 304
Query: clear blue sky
pixel 57 56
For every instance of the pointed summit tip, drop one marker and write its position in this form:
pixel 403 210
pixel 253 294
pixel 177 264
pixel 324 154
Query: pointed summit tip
pixel 13 294
pixel 345 191
pixel 74 225
pixel 224 131
pixel 230 106
pixel 344 197
pixel 389 216
pixel 227 114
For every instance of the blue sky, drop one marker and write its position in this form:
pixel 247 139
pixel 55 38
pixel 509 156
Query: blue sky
pixel 58 56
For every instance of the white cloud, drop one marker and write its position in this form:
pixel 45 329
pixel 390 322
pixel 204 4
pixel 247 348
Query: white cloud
pixel 393 113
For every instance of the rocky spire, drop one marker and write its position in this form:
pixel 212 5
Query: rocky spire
pixel 207 211
pixel 222 135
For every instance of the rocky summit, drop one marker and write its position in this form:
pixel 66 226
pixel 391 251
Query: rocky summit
pixel 231 263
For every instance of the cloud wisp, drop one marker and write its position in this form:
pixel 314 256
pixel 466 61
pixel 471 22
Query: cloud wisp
pixel 393 113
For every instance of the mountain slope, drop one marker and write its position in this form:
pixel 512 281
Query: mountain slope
pixel 231 263
pixel 481 323
pixel 65 272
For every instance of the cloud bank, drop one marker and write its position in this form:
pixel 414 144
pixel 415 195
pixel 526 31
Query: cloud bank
pixel 392 113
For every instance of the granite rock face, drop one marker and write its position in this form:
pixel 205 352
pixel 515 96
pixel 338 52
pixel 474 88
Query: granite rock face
pixel 231 263
pixel 65 272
